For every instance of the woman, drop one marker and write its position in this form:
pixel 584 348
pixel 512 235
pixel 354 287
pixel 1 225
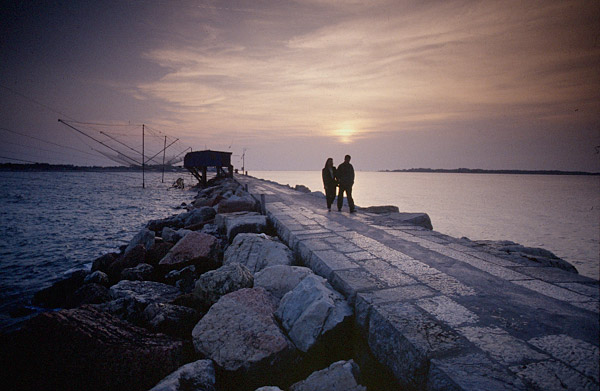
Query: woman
pixel 329 182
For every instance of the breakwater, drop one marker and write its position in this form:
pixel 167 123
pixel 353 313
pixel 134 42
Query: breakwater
pixel 224 296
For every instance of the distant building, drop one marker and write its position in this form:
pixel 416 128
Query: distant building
pixel 198 162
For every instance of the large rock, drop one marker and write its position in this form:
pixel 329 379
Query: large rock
pixel 56 296
pixel 237 204
pixel 280 279
pixel 311 310
pixel 157 252
pixel 129 299
pixel 183 279
pixel 103 262
pixel 212 285
pixel 257 251
pixel 195 248
pixel 240 334
pixel 171 319
pixel 236 223
pixel 145 237
pixel 339 376
pixel 86 349
pixel 97 277
pixel 195 376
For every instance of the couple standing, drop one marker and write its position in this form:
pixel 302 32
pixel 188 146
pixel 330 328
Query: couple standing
pixel 343 177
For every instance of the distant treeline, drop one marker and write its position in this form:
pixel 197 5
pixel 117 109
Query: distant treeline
pixel 70 167
pixel 481 171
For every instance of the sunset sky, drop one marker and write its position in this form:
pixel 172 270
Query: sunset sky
pixel 396 84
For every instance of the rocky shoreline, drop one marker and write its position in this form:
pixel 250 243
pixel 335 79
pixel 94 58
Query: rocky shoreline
pixel 209 299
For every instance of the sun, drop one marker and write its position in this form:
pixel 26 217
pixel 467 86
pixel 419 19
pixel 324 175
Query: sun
pixel 345 135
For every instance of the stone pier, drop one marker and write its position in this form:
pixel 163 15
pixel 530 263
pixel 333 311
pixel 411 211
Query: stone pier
pixel 439 313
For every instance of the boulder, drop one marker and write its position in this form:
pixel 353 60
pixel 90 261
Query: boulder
pixel 280 279
pixel 200 215
pixel 381 209
pixel 195 248
pixel 257 251
pixel 103 262
pixel 157 252
pixel 56 296
pixel 145 237
pixel 237 204
pixel 175 221
pixel 141 272
pixel 339 376
pixel 97 277
pixel 240 334
pixel 212 285
pixel 302 189
pixel 169 235
pixel 129 299
pixel 171 319
pixel 88 294
pixel 269 388
pixel 195 376
pixel 312 310
pixel 87 349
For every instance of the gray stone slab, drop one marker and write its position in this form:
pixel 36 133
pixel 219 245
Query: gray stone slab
pixel 350 282
pixel 590 290
pixel 582 356
pixel 501 346
pixel 387 273
pixel 325 262
pixel 446 284
pixel 404 339
pixel 553 291
pixel 471 372
pixel 553 375
pixel 551 274
pixel 448 311
pixel 317 244
pixel 360 256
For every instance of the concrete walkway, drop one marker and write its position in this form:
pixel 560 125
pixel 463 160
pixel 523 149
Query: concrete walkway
pixel 439 314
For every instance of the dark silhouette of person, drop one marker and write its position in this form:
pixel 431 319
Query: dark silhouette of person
pixel 345 177
pixel 329 181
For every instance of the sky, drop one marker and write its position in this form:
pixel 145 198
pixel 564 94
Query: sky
pixel 286 84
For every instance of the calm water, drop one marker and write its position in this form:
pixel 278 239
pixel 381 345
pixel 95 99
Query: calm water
pixel 54 222
pixel 558 213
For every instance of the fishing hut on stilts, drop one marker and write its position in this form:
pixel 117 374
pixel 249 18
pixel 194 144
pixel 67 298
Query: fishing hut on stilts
pixel 198 162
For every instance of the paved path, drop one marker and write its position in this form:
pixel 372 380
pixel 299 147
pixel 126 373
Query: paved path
pixel 442 315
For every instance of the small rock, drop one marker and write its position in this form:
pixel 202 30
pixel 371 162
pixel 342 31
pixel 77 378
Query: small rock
pixel 237 204
pixel 133 258
pixel 184 279
pixel 145 237
pixel 339 376
pixel 171 319
pixel 97 277
pixel 157 252
pixel 102 263
pixel 195 376
pixel 200 215
pixel 141 272
pixel 88 294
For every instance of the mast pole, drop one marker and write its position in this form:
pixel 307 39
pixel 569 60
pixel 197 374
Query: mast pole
pixel 164 152
pixel 143 161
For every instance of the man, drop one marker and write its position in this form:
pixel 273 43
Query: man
pixel 345 176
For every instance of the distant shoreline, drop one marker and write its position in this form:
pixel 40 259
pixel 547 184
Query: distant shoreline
pixel 158 168
pixel 482 171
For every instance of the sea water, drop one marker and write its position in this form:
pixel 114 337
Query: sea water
pixel 52 223
pixel 560 213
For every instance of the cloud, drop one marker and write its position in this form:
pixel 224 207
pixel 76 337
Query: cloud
pixel 391 67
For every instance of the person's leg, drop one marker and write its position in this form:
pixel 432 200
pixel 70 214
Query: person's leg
pixel 340 200
pixel 350 200
pixel 330 195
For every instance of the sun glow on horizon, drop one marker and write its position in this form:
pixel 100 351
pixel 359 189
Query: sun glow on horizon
pixel 345 135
